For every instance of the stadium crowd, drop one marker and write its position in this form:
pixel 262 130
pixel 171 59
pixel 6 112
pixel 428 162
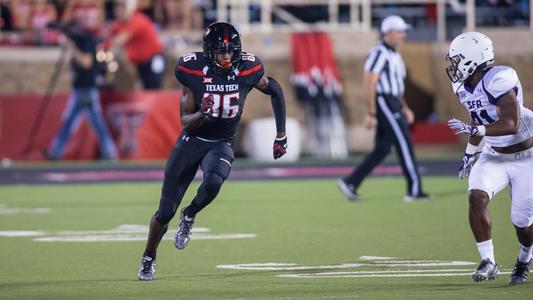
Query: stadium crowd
pixel 28 20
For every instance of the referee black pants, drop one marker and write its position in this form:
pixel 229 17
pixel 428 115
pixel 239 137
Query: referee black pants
pixel 392 129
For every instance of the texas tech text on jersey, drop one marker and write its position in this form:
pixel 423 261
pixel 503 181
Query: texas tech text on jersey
pixel 228 89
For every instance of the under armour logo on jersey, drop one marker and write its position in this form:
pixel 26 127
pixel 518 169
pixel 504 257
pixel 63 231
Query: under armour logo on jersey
pixel 185 138
pixel 231 77
pixel 207 80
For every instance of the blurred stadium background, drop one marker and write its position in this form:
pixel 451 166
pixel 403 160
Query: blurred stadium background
pixel 326 137
pixel 272 30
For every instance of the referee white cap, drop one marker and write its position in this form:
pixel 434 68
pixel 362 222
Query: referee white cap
pixel 394 23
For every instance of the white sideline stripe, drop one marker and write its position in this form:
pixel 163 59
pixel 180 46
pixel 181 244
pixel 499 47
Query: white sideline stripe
pixel 367 257
pixel 123 238
pixel 126 232
pixel 21 233
pixel 384 272
pixel 292 266
pixel 403 144
pixel 287 267
pixel 15 210
pixel 382 275
pixel 407 261
pixel 141 229
pixel 424 263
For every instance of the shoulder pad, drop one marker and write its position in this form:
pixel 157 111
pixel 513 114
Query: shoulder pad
pixel 250 59
pixel 456 86
pixel 501 80
pixel 190 63
pixel 191 60
pixel 250 64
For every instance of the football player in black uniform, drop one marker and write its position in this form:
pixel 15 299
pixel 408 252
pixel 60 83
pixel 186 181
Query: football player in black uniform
pixel 215 84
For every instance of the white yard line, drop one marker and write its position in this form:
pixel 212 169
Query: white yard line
pixel 394 268
pixel 287 266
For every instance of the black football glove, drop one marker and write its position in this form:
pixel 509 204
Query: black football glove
pixel 280 147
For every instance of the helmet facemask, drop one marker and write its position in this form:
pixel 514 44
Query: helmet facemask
pixel 452 70
pixel 226 57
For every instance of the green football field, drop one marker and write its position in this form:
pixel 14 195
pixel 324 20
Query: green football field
pixel 291 239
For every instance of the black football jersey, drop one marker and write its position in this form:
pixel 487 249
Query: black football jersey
pixel 229 91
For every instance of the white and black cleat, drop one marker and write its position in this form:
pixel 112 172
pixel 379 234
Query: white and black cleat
pixel 520 273
pixel 184 231
pixel 147 270
pixel 487 270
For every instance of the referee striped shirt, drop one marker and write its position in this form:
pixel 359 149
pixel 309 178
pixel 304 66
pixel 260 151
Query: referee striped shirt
pixel 388 63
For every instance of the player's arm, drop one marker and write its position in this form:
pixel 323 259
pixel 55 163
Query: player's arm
pixel 508 119
pixel 270 86
pixel 470 156
pixel 190 117
pixel 508 116
pixel 501 89
pixel 370 81
pixel 409 114
pixel 475 140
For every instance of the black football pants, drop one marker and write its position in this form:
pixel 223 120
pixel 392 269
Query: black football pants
pixel 189 153
pixel 392 129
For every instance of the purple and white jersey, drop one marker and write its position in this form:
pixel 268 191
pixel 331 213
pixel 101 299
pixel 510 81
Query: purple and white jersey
pixel 481 101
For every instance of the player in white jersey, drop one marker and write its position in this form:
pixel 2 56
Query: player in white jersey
pixel 493 96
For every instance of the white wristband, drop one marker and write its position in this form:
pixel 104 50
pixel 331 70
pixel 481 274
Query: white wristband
pixel 470 149
pixel 481 130
pixel 281 138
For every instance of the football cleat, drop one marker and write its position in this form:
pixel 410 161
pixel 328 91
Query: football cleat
pixel 348 190
pixel 520 273
pixel 487 270
pixel 420 197
pixel 147 270
pixel 184 230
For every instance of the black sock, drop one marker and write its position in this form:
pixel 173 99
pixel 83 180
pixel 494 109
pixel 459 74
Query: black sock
pixel 150 254
pixel 188 212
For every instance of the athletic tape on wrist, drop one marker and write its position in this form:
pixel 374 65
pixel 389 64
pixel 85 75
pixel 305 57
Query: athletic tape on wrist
pixel 470 149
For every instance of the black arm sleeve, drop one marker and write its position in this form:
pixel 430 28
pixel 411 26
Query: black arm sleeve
pixel 278 102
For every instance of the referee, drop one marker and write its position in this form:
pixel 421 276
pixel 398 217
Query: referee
pixel 387 110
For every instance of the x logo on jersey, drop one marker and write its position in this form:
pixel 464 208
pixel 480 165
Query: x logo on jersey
pixel 208 80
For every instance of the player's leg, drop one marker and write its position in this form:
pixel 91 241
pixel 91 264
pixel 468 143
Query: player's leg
pixel 171 195
pixel 216 167
pixel 70 120
pixel 180 169
pixel 107 147
pixel 522 216
pixel 487 178
pixel 382 145
pixel 406 155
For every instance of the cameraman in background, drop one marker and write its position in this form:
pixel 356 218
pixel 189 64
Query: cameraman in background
pixel 85 96
pixel 137 34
